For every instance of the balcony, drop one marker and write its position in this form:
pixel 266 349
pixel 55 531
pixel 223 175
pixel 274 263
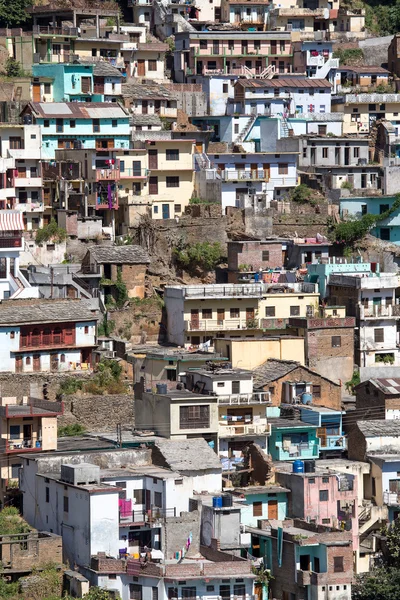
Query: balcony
pixel 61 170
pixel 30 207
pixel 107 174
pixel 222 325
pixel 391 498
pixel 378 311
pixel 303 577
pixel 29 182
pixel 223 291
pixel 245 430
pixel 105 204
pixel 244 399
pixel 48 30
pixel 21 446
pixel 10 241
pixel 303 450
pixel 55 58
pixel 333 442
pixel 239 175
pixel 129 173
pixel 365 283
pixel 149 517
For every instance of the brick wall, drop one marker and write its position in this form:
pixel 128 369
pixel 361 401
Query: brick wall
pixel 330 391
pixel 176 531
pixel 250 253
pixel 108 565
pixel 369 397
pixel 99 413
pixel 357 445
pixel 134 277
pixel 36 550
pixel 334 362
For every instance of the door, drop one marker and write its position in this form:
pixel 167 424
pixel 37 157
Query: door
pixel 194 318
pixel 250 314
pixel 199 147
pixel 220 316
pixel 347 156
pixel 313 156
pixel 272 509
pixel 141 68
pixel 153 159
pixel 165 211
pixel 253 168
pixel 145 108
pixel 86 85
pixel 266 168
pixel 36 92
pixel 53 362
pixel 215 46
pixel 27 435
pixel 36 362
pixel 18 364
pixel 225 592
pixel 148 500
pixel 153 186
pixel 321 433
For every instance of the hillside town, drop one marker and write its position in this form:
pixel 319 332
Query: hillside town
pixel 199 301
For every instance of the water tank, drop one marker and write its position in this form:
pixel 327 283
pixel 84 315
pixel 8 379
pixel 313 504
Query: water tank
pixel 226 500
pixel 298 466
pixel 161 388
pixel 256 277
pixel 217 501
pixel 27 119
pixel 306 398
pixel 309 466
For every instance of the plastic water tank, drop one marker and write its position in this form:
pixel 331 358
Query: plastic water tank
pixel 306 398
pixel 226 500
pixel 309 466
pixel 217 502
pixel 161 388
pixel 298 466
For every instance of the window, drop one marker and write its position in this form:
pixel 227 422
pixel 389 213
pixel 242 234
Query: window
pixel 189 592
pixel 86 329
pixel 356 152
pixel 114 123
pixel 383 208
pixel 47 88
pixel 59 125
pixel 12 335
pixel 206 313
pixel 172 182
pixel 28 360
pixel 96 125
pixel 172 154
pixel 194 417
pixel 152 65
pixel 225 88
pixel 265 255
pixel 66 504
pixel 326 521
pixel 154 593
pixel 295 311
pixel 322 130
pixel 336 341
pixel 338 564
pixel 270 311
pixel 316 390
pixel 139 496
pixel 234 313
pixel 178 208
pixel 203 44
pixel 371 106
pixel 323 495
pixel 257 509
pixel 46 123
pixel 324 152
pixel 283 169
pixel 311 480
pixel 379 335
pixel 15 432
pixel 239 589
pixel 385 233
pixel 158 499
pixel 178 481
pixel 135 591
pixel 47 494
pixel 16 143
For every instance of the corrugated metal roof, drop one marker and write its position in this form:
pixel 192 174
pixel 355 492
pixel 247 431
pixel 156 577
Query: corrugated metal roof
pixel 287 82
pixel 80 110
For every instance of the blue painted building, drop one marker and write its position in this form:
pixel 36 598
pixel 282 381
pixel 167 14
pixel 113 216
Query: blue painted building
pixel 96 82
pixel 102 126
pixel 389 229
pixel 330 428
pixel 293 439
pixel 263 502
pixel 319 272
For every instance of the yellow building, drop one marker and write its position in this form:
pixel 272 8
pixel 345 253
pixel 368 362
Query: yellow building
pixel 24 428
pixel 362 110
pixel 249 353
pixel 197 314
pixel 156 178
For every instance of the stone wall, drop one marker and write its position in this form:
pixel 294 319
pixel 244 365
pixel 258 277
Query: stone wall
pixel 335 363
pixel 99 413
pixel 43 386
pixel 36 549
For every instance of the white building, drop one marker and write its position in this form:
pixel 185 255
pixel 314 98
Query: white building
pixel 47 336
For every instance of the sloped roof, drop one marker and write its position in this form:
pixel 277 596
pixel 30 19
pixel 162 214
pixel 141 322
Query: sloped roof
pixel 376 428
pixel 119 255
pixel 285 82
pixel 151 91
pixel 104 69
pixel 79 110
pixel 188 455
pixel 145 120
pixel 272 370
pixel 47 312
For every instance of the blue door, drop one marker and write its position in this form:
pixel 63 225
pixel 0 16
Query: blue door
pixel 165 211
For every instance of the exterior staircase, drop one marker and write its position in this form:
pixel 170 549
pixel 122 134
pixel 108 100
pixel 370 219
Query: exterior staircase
pixel 371 516
pixel 286 127
pixel 245 130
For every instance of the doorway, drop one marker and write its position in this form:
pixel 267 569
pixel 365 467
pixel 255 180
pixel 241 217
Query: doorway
pixel 141 68
pixel 36 362
pixel 272 509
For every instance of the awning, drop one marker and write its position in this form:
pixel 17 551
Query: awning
pixel 11 220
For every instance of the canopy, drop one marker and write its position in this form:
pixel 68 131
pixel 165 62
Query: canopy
pixel 11 220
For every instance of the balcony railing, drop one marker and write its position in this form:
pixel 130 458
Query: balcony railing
pixel 234 175
pixel 50 30
pixel 222 325
pixel 239 399
pixel 104 204
pixel 223 291
pixel 150 516
pixel 107 174
pixel 377 311
pixel 130 173
pixel 253 429
pixel 391 498
pixel 305 450
pixel 333 442
pixel 22 445
pixel 303 577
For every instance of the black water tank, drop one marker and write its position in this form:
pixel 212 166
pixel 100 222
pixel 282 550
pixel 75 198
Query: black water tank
pixel 226 500
pixel 309 466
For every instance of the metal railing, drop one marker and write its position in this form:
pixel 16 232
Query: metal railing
pixel 238 429
pixel 147 516
pixel 391 498
pixel 222 324
pixel 239 399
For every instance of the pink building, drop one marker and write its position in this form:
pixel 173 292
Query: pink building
pixel 232 52
pixel 324 498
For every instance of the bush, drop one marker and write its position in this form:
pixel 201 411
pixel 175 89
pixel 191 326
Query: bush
pixel 203 254
pixel 71 430
pixel 302 194
pixel 51 232
pixel 349 56
pixel 70 386
pixel 13 67
pixel 346 185
pixel 11 522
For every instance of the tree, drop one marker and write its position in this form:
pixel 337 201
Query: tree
pixel 14 12
pixel 379 584
pixel 13 67
pixel 96 593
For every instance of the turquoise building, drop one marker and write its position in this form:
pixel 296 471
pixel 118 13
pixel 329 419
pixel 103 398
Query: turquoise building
pixel 330 428
pixel 292 439
pixel 80 82
pixel 102 126
pixel 319 272
pixel 263 502
pixel 389 229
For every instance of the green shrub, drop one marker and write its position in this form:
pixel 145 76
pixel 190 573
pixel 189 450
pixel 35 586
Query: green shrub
pixel 11 522
pixel 51 232
pixel 71 430
pixel 302 194
pixel 349 56
pixel 70 386
pixel 346 185
pixel 13 68
pixel 202 254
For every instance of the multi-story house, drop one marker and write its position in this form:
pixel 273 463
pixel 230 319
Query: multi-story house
pixel 309 561
pixel 197 314
pixel 20 176
pixel 150 99
pixel 157 173
pixel 336 161
pixel 252 14
pixel 371 300
pixel 348 79
pixel 248 257
pixel 332 441
pixel 293 439
pixel 253 179
pixel 387 229
pixel 282 95
pixel 314 58
pixel 83 82
pixel 13 283
pixel 362 110
pixel 320 271
pixel 24 428
pixel 47 336
pixel 241 412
